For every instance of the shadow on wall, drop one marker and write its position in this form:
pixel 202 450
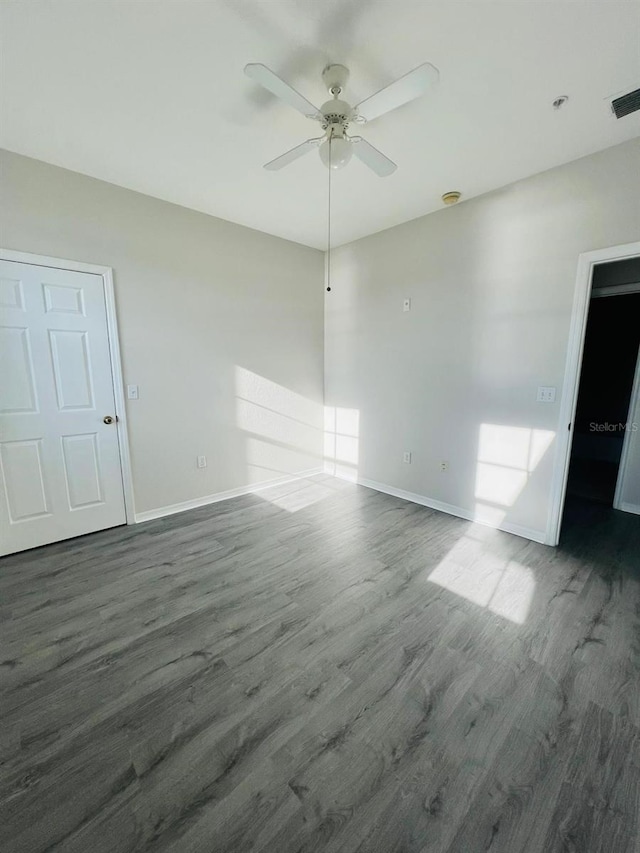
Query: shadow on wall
pixel 283 431
pixel 283 437
pixel 341 442
pixel 507 457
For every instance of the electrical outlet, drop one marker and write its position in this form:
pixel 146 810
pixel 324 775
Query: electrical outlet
pixel 444 465
pixel 546 395
pixel 202 461
pixel 406 305
pixel 406 457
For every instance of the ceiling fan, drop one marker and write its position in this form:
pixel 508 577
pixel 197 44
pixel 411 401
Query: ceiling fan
pixel 335 145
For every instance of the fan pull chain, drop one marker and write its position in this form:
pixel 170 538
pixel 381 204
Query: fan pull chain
pixel 330 169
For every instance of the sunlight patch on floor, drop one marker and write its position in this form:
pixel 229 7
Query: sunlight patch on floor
pixel 503 586
pixel 299 494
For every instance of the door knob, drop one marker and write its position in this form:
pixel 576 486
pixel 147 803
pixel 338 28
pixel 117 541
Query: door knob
pixel 108 419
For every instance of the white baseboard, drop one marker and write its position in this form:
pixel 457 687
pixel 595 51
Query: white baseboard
pixel 625 507
pixel 431 503
pixel 459 512
pixel 172 509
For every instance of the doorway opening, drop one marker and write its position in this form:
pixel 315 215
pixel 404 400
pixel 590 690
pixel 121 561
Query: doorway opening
pixel 602 467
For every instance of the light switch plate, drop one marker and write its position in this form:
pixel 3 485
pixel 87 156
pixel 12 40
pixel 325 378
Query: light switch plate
pixel 546 394
pixel 406 305
pixel 132 392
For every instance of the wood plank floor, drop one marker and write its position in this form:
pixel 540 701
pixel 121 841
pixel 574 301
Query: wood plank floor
pixel 323 668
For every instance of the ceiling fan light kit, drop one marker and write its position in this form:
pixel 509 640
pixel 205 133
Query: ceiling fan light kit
pixel 336 147
pixel 335 152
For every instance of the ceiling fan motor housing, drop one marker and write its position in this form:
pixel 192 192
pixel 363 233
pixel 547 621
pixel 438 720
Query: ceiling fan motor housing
pixel 335 78
pixel 336 114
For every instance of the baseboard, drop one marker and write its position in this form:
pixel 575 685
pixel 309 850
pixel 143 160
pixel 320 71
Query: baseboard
pixel 172 509
pixel 431 503
pixel 625 507
pixel 459 512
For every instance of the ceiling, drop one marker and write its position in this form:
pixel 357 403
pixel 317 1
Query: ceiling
pixel 151 96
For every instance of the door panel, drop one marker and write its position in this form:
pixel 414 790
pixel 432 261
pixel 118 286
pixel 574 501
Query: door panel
pixel 82 470
pixel 17 382
pixel 24 479
pixel 71 371
pixel 62 299
pixel 61 469
pixel 11 293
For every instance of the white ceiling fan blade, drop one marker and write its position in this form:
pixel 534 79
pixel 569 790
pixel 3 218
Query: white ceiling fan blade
pixel 372 158
pixel 266 78
pixel 289 156
pixel 406 89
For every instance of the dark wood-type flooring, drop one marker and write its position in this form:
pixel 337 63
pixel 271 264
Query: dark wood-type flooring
pixel 323 668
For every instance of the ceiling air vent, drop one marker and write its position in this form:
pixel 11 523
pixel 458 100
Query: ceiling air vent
pixel 626 104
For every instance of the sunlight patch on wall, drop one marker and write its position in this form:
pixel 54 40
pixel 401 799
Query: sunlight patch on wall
pixel 507 456
pixel 341 442
pixel 283 435
pixel 268 461
pixel 275 413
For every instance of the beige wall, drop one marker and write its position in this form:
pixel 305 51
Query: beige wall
pixel 455 379
pixel 220 326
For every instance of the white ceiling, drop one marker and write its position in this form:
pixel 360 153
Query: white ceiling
pixel 150 95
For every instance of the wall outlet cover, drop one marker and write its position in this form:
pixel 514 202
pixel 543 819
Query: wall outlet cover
pixel 546 394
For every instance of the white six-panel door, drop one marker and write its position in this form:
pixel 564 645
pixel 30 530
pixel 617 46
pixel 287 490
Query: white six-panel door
pixel 60 462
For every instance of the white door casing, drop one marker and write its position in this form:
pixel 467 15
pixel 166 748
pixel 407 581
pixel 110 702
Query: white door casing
pixel 569 399
pixel 630 437
pixel 60 463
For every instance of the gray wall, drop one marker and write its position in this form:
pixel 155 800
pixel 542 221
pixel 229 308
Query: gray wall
pixel 492 284
pixel 220 326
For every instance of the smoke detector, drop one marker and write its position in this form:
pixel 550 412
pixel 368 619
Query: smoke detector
pixel 451 197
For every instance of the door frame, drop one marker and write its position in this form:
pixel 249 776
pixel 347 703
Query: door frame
pixel 573 369
pixel 106 273
pixel 626 445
